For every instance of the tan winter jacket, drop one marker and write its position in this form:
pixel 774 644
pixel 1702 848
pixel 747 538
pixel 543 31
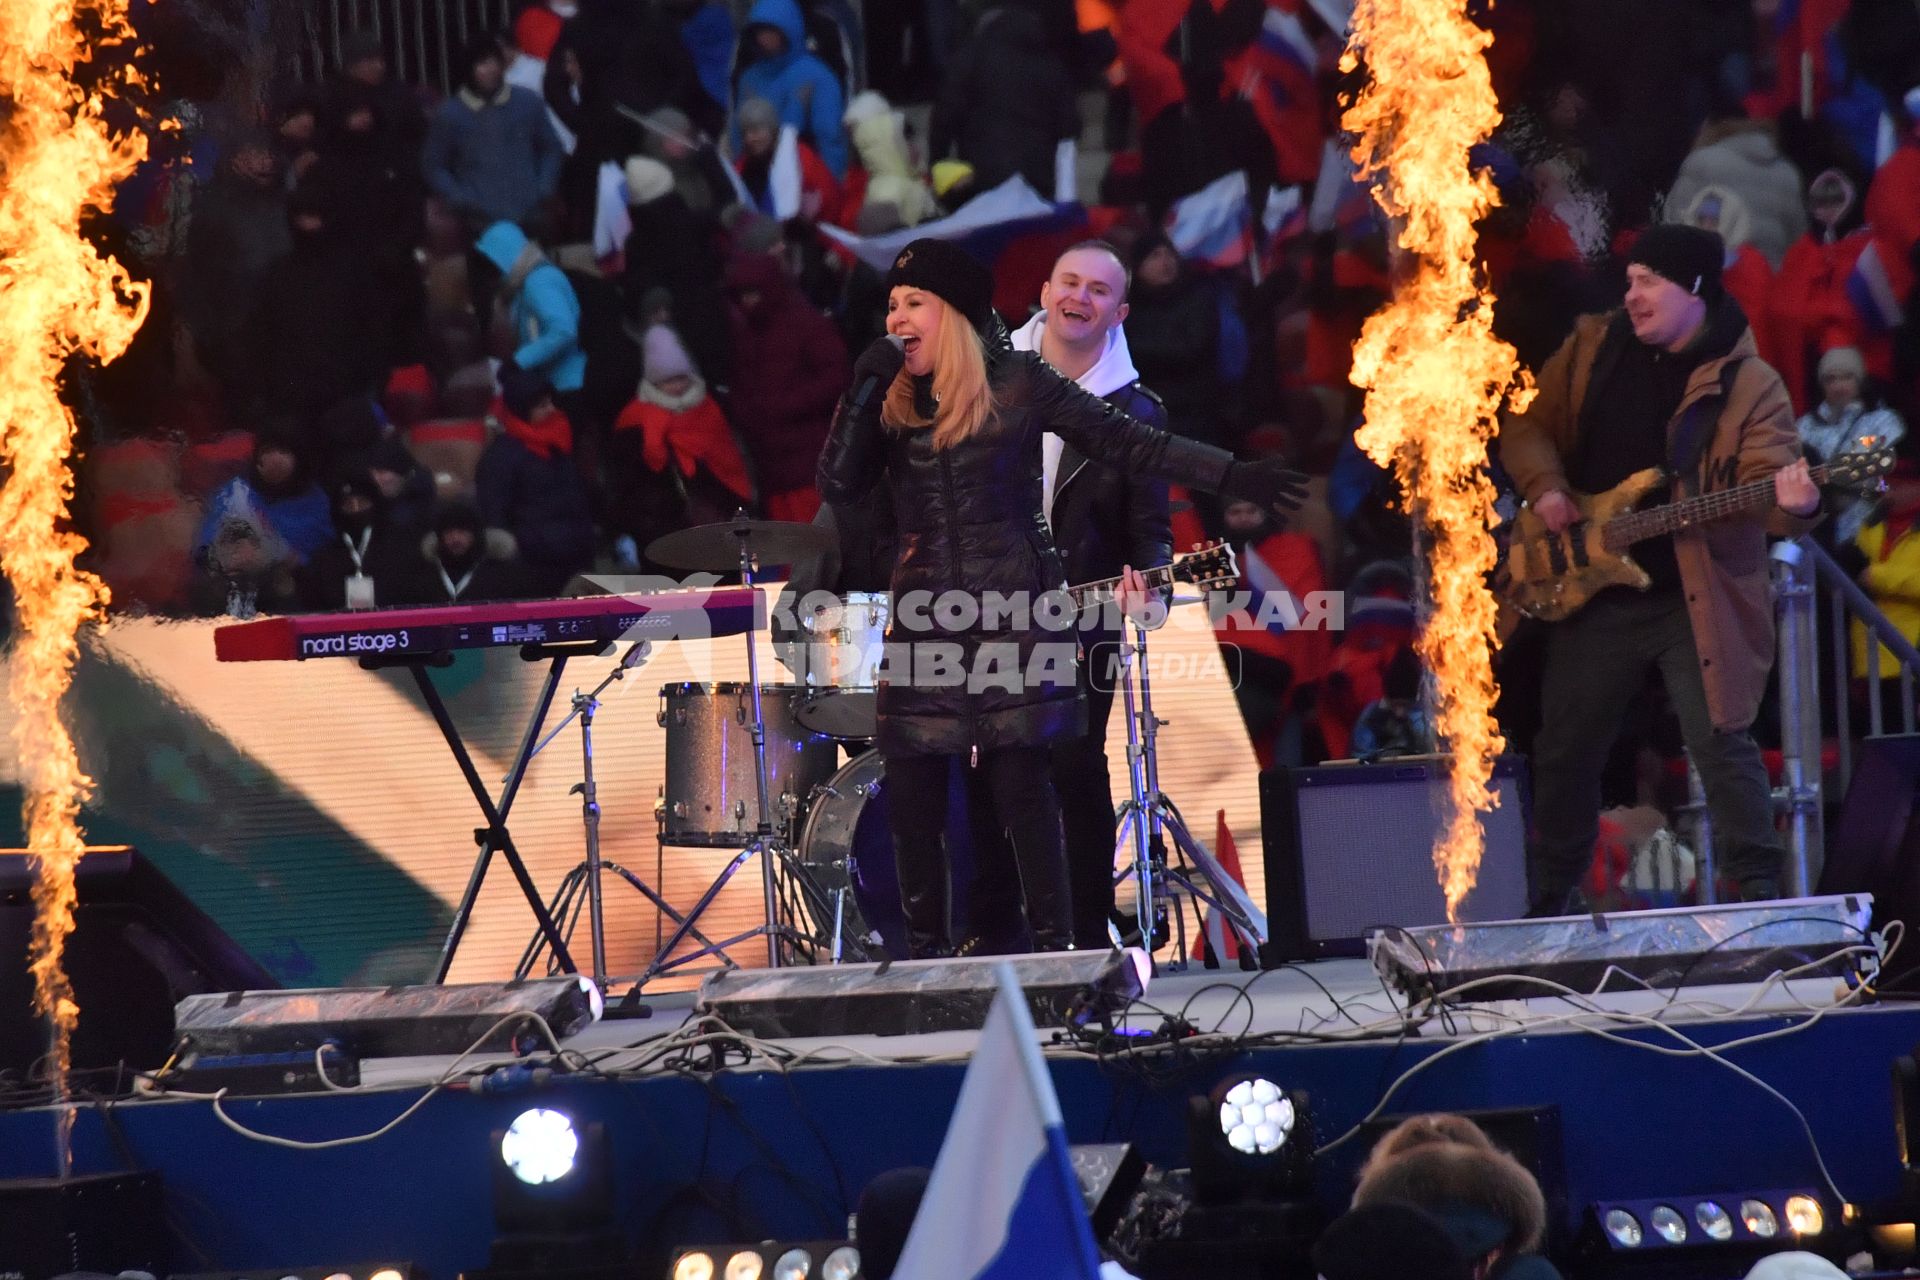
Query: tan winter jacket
pixel 1723 565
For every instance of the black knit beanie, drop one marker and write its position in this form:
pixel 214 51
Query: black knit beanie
pixel 1388 1239
pixel 949 273
pixel 1689 256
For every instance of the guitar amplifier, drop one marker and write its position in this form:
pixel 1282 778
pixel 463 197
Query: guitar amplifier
pixel 1349 848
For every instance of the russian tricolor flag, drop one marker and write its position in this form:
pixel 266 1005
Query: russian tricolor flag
pixel 1875 287
pixel 1003 1202
pixel 1215 223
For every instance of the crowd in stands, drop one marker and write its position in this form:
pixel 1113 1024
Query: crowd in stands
pixel 412 346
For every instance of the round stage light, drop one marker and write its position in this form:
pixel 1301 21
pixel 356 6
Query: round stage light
pixel 794 1264
pixel 339 1275
pixel 1758 1215
pixel 842 1264
pixel 1713 1220
pixel 1256 1117
pixel 743 1265
pixel 1805 1217
pixel 694 1266
pixel 1624 1228
pixel 539 1146
pixel 386 1273
pixel 1668 1224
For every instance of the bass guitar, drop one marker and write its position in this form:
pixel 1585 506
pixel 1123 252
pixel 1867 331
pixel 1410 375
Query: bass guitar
pixel 1551 576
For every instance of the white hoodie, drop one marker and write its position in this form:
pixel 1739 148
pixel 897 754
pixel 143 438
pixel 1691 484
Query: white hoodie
pixel 1112 371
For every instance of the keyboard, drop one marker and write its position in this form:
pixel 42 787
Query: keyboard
pixel 421 632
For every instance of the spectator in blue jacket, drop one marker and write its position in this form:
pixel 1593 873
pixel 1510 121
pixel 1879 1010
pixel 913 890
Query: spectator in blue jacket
pixel 800 86
pixel 545 310
pixel 491 151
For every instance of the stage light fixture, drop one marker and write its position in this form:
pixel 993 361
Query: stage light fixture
pixel 842 1264
pixel 1804 1216
pixel 768 1260
pixel 385 1273
pixel 1735 1226
pixel 1668 1224
pixel 694 1266
pixel 539 1146
pixel 1759 1219
pixel 1249 1139
pixel 1256 1117
pixel 1624 1229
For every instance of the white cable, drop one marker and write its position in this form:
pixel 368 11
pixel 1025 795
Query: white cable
pixel 446 1077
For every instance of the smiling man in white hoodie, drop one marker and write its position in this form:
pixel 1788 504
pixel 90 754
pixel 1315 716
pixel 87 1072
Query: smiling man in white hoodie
pixel 1103 521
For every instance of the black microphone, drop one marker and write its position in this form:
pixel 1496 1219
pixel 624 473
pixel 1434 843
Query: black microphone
pixel 864 392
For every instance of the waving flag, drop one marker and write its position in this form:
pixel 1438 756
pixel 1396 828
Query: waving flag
pixel 983 226
pixel 1215 224
pixel 1876 285
pixel 1003 1203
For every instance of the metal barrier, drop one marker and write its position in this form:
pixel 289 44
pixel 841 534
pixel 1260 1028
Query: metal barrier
pixel 423 38
pixel 1801 567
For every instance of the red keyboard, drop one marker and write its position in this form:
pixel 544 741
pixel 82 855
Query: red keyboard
pixel 400 633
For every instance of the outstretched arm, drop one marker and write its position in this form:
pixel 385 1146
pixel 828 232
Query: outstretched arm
pixel 1104 433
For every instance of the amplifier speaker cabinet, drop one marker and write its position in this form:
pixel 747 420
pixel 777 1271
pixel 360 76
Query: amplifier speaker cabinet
pixel 1349 848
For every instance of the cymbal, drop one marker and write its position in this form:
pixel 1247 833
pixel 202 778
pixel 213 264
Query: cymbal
pixel 716 547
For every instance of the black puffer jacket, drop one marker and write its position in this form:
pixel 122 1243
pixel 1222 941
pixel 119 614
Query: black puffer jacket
pixel 969 519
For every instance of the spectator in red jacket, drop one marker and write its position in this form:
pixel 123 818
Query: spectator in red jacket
pixel 673 461
pixel 1812 311
pixel 790 369
pixel 1893 201
pixel 786 177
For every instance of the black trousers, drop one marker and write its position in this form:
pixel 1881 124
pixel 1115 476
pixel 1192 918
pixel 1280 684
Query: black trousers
pixel 1597 662
pixel 1019 796
pixel 1085 789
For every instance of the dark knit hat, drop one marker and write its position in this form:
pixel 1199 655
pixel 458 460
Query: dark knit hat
pixel 949 273
pixel 1388 1241
pixel 521 390
pixel 1689 256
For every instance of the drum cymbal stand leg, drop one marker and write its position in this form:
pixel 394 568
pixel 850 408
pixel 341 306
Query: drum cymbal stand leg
pixel 1151 817
pixel 765 842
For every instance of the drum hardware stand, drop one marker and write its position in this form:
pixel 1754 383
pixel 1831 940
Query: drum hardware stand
pixel 567 899
pixel 772 848
pixel 494 837
pixel 1148 816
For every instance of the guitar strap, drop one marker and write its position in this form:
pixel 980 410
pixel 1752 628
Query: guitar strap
pixel 1696 426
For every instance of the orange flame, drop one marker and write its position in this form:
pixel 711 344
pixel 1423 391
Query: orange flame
pixel 58 298
pixel 1434 374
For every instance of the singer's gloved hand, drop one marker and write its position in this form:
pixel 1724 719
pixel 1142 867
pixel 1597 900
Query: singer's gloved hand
pixel 1266 482
pixel 882 362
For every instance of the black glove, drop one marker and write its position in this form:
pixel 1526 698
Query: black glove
pixel 1266 483
pixel 877 367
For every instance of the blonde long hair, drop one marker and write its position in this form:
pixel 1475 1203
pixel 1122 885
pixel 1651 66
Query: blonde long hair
pixel 963 398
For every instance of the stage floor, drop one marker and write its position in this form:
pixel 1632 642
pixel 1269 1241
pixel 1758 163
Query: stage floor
pixel 1708 1090
pixel 1330 1000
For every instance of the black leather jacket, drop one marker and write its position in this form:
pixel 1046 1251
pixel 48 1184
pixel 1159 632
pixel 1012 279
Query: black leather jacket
pixel 969 519
pixel 1105 518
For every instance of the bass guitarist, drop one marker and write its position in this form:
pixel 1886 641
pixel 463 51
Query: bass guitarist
pixel 1674 380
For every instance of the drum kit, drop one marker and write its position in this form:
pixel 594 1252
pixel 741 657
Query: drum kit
pixel 755 767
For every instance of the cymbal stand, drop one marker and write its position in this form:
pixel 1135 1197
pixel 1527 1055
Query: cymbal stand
pixel 771 846
pixel 568 899
pixel 1148 817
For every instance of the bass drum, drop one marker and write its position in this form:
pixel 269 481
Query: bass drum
pixel 848 848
